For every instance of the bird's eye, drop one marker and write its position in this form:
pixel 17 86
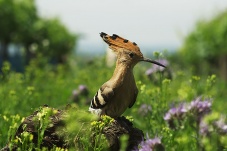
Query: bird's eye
pixel 131 55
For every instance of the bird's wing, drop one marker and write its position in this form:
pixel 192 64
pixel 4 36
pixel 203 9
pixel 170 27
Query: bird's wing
pixel 134 98
pixel 102 97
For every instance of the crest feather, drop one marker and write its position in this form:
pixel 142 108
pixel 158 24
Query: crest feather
pixel 115 42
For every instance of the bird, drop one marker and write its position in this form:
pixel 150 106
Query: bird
pixel 120 91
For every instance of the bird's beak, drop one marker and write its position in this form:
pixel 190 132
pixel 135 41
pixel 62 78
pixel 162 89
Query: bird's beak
pixel 152 61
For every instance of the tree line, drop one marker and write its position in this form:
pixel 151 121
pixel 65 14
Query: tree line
pixel 20 24
pixel 205 48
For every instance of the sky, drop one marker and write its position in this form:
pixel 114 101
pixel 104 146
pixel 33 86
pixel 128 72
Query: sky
pixel 155 24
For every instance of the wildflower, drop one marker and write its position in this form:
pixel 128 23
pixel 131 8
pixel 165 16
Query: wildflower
pixel 166 72
pixel 197 108
pixel 200 107
pixel 156 68
pixel 151 144
pixel 176 112
pixel 30 90
pixel 221 126
pixel 129 118
pixel 83 90
pixel 203 128
pixel 12 92
pixel 150 71
pixel 5 118
pixel 75 96
pixel 144 109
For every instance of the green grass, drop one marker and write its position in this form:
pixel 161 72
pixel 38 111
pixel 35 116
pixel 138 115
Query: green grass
pixel 21 94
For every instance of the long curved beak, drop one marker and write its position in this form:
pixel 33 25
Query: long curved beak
pixel 152 61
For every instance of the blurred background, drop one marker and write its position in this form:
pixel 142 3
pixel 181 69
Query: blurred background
pixel 51 53
pixel 56 29
pixel 154 25
pixel 188 36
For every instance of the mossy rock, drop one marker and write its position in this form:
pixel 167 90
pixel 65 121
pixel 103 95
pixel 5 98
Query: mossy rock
pixel 54 133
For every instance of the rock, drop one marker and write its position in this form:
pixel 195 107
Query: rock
pixel 121 126
pixel 52 137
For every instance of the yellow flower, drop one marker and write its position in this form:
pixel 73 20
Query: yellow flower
pixel 12 92
pixel 5 118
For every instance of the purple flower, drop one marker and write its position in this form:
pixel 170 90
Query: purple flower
pixel 75 96
pixel 75 93
pixel 200 107
pixel 150 144
pixel 176 112
pixel 197 108
pixel 221 125
pixel 150 71
pixel 203 128
pixel 156 68
pixel 144 109
pixel 83 90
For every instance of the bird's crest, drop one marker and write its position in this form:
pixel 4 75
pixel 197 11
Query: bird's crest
pixel 115 42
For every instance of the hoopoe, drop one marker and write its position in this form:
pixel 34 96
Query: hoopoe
pixel 120 92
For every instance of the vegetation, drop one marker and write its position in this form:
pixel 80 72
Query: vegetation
pixel 21 25
pixel 179 108
pixel 205 47
pixel 21 94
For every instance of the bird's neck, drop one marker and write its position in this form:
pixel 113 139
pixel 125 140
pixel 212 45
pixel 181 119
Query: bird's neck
pixel 122 72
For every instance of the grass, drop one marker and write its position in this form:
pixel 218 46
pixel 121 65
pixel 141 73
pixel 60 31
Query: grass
pixel 21 94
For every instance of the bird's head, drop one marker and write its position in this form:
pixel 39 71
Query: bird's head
pixel 127 52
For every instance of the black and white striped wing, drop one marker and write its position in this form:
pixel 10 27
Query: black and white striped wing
pixel 102 97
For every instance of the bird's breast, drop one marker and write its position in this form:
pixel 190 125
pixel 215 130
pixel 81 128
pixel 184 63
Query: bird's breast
pixel 123 96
